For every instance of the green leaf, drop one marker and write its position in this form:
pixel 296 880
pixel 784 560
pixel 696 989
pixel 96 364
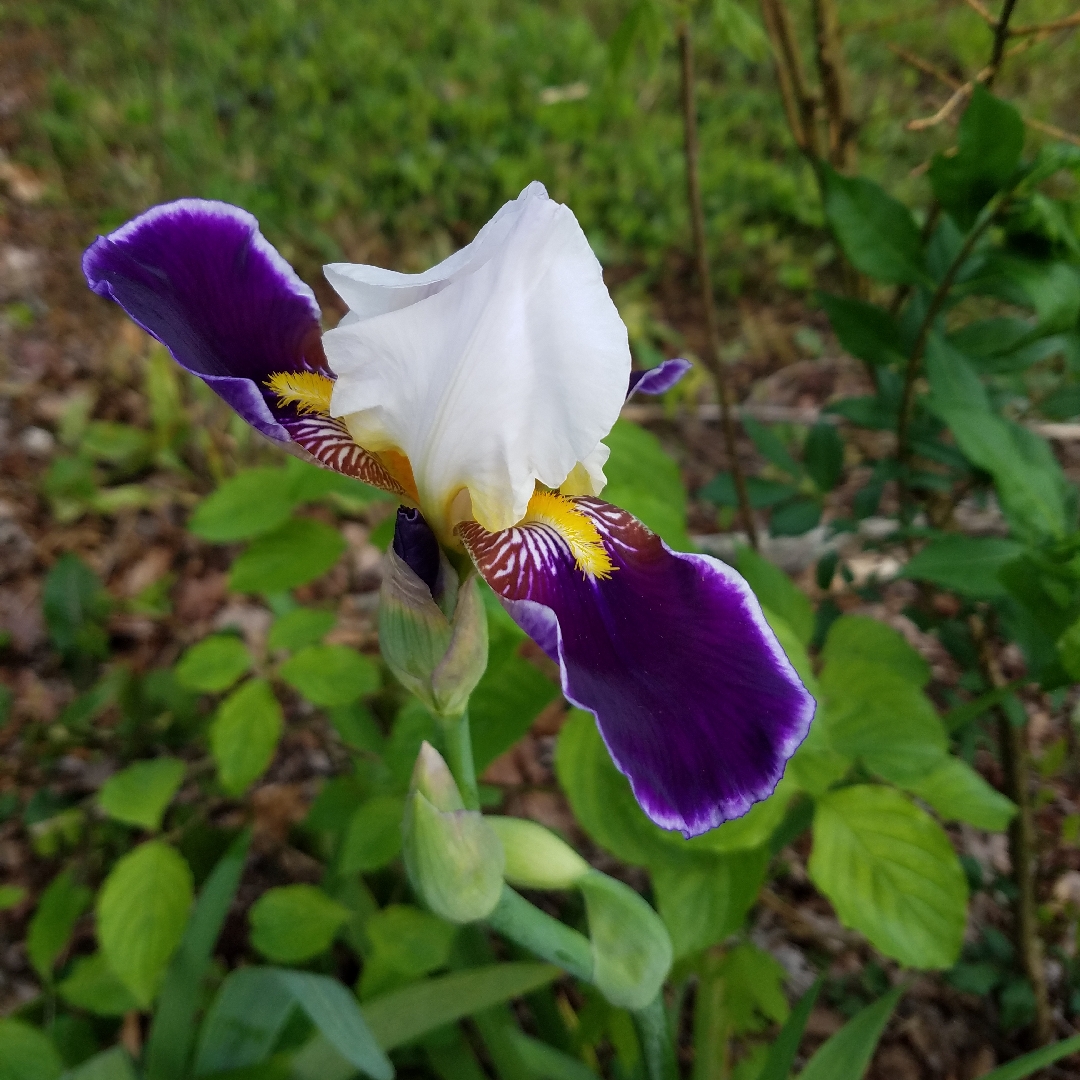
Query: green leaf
pixel 75 605
pixel 823 456
pixel 297 552
pixel 405 944
pixel 373 836
pixel 857 637
pixel 511 693
pixel 967 565
pixel 253 1005
pixel 95 987
pixel 117 444
pixel 704 898
pixel 293 923
pixel 141 912
pixel 866 331
pixel 140 793
pixel 958 793
pixel 244 734
pixel 776 591
pixel 309 482
pixel 770 446
pixel 26 1053
pixel 253 502
pixel 786 1045
pixel 848 1052
pixel 869 712
pixel 990 140
pixel 11 896
pixel 400 1017
pixel 644 480
pixel 1037 1059
pixel 331 674
pixel 795 518
pixel 720 491
pixel 300 627
pixel 877 233
pixel 544 1061
pixel 213 664
pixel 172 1033
pixel 1068 647
pixel 50 929
pixel 114 1064
pixel 1029 481
pixel 754 982
pixel 891 873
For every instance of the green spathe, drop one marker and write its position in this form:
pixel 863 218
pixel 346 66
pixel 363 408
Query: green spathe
pixel 535 857
pixel 452 855
pixel 631 948
pixel 439 652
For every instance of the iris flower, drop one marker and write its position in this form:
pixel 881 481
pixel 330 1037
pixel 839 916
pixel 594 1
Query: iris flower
pixel 479 393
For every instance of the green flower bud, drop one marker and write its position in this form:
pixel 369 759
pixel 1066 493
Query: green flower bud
pixel 438 651
pixel 630 945
pixel 535 857
pixel 453 856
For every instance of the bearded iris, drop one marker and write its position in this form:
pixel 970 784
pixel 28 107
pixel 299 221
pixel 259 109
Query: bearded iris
pixel 479 393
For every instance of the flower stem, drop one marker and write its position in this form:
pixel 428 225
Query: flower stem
pixel 655 1038
pixel 514 917
pixel 459 756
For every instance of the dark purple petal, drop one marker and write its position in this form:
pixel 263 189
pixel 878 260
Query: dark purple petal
pixel 695 698
pixel 200 277
pixel 415 544
pixel 659 379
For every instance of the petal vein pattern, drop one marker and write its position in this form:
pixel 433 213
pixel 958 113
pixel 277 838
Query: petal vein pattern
pixel 697 702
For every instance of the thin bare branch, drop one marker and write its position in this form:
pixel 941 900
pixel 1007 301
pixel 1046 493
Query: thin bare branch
pixel 711 355
pixel 1070 22
pixel 982 11
pixel 830 58
pixel 1001 35
pixel 1052 130
pixel 925 66
pixel 800 102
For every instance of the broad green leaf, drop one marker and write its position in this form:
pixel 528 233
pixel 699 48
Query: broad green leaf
pixel 754 983
pixel 511 693
pixel 891 873
pixel 847 1053
pixel 253 502
pixel 1037 1059
pixel 213 664
pixel 11 896
pixel 795 518
pixel 308 482
pixel 990 140
pixel 300 627
pixel 720 491
pixel 771 447
pixel 958 793
pixel 172 1033
pixel 75 605
pixel 776 591
pixel 95 987
pixel 114 1064
pixel 297 552
pixel 786 1045
pixel 967 565
pixel 57 912
pixel 872 713
pixel 1068 647
pixel 877 233
pixel 117 444
pixel 400 1017
pixel 244 734
pixel 643 479
pixel 293 923
pixel 331 674
pixel 373 836
pixel 864 330
pixel 139 794
pixel 962 715
pixel 405 944
pixel 141 912
pixel 857 637
pixel 26 1053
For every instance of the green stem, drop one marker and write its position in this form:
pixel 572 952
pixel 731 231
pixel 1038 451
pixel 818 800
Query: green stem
pixel 459 756
pixel 655 1037
pixel 514 917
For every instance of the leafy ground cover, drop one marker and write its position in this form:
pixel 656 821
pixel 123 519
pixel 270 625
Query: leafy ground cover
pixel 190 617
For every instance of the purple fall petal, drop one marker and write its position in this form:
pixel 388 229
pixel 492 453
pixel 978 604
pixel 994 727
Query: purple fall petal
pixel 697 702
pixel 657 380
pixel 200 277
pixel 416 545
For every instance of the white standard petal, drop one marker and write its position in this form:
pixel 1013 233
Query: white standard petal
pixel 510 368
